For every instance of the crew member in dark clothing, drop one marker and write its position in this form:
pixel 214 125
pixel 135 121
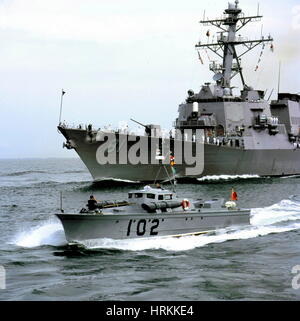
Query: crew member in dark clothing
pixel 159 186
pixel 92 202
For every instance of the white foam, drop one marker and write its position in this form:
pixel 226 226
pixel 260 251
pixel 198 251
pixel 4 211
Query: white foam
pixel 48 233
pixel 186 242
pixel 289 176
pixel 107 179
pixel 226 177
pixel 285 210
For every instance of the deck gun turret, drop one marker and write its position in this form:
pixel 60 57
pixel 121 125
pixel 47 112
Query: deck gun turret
pixel 150 129
pixel 147 127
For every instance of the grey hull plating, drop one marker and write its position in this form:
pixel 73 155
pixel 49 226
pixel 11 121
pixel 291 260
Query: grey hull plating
pixel 79 227
pixel 218 160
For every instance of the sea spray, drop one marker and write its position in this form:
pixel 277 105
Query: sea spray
pixel 48 233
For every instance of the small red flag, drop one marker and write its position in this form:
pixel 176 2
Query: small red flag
pixel 233 195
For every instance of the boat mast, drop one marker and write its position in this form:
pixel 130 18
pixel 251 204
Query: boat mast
pixel 232 21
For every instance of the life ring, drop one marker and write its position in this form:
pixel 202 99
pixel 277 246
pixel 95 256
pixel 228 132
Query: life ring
pixel 185 204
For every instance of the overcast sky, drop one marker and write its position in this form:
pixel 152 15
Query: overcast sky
pixel 118 59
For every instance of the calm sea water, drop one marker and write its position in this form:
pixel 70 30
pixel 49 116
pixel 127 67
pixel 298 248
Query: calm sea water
pixel 250 263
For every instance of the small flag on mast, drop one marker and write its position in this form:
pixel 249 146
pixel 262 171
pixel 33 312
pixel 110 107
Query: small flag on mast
pixel 63 92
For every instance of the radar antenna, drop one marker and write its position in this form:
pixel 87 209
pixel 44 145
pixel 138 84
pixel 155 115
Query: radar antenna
pixel 230 23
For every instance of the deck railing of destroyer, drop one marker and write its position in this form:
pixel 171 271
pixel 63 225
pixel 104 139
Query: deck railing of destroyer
pixel 227 141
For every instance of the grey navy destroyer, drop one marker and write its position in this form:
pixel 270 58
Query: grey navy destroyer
pixel 242 134
pixel 151 212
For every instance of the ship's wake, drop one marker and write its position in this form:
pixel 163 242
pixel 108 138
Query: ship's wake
pixel 221 178
pixel 280 217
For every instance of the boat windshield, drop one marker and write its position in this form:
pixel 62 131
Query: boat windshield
pixel 135 195
pixel 165 197
pixel 151 196
pixel 138 195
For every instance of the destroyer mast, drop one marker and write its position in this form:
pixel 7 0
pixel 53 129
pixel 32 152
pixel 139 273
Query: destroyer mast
pixel 225 46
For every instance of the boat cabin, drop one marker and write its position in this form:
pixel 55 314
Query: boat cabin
pixel 150 194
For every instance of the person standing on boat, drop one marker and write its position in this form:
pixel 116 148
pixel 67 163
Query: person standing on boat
pixel 92 203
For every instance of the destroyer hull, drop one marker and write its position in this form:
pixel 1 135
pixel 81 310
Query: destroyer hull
pixel 218 160
pixel 80 227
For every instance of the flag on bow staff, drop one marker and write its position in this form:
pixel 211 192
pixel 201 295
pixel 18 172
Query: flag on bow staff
pixel 172 163
pixel 61 105
pixel 172 160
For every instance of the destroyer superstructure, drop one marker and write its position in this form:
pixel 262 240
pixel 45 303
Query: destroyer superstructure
pixel 241 134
